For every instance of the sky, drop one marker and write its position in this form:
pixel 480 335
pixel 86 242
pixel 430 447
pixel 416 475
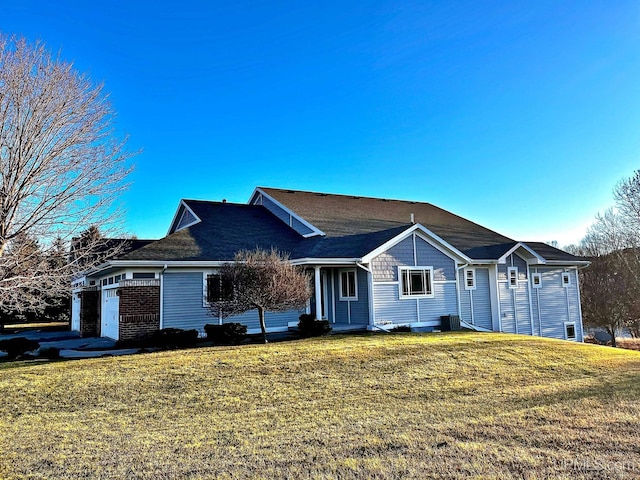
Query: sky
pixel 517 115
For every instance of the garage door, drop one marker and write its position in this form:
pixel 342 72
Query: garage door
pixel 110 313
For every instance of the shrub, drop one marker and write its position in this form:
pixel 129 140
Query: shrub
pixel 401 328
pixel 310 327
pixel 174 338
pixel 51 353
pixel 227 333
pixel 17 346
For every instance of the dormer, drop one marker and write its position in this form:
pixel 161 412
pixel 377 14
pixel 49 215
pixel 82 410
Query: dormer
pixel 296 222
pixel 184 217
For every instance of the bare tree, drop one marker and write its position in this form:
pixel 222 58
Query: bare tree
pixel 612 282
pixel 61 168
pixel 260 280
pixel 608 290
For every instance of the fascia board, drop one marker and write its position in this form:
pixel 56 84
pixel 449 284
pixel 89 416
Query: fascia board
pixel 325 261
pixel 538 257
pixel 576 263
pixel 431 237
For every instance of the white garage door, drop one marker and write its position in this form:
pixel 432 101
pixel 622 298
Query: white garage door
pixel 110 312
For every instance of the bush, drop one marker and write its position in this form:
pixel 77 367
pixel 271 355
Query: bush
pixel 51 353
pixel 401 328
pixel 174 338
pixel 227 333
pixel 310 327
pixel 17 346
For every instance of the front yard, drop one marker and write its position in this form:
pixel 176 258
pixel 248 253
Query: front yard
pixel 361 406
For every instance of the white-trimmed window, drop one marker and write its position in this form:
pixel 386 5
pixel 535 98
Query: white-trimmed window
pixel 570 330
pixel 217 290
pixel 512 277
pixel 348 285
pixel 469 278
pixel 536 280
pixel 416 282
pixel 143 275
pixel 566 279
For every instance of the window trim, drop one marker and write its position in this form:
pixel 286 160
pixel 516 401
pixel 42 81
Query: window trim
pixel 575 331
pixel 143 275
pixel 472 278
pixel 510 270
pixel 533 280
pixel 348 298
pixel 566 275
pixel 430 283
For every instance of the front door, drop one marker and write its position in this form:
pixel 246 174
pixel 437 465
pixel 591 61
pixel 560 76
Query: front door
pixel 110 313
pixel 75 311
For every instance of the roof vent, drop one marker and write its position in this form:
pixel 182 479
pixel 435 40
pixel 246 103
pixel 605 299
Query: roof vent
pixel 224 200
pixel 413 219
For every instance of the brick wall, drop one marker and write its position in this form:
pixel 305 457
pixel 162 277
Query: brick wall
pixel 89 313
pixel 139 311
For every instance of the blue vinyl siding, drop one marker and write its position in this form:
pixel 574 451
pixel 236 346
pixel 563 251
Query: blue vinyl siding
pixel 385 265
pixel 444 302
pixel 182 304
pixel 390 309
pixel 352 311
pixel 553 304
pixel 480 297
pixel 514 308
pixel 465 302
pixel 517 262
pixel 428 255
pixel 285 217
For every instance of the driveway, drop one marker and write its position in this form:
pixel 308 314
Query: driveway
pixel 71 345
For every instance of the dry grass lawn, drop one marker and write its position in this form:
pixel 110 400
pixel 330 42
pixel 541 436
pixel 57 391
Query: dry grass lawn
pixel 453 405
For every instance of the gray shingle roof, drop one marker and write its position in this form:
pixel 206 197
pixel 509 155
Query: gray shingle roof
pixel 225 229
pixel 354 226
pixel 555 254
pixel 339 215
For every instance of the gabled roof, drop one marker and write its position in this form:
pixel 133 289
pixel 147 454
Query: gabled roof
pixel 353 227
pixel 553 254
pixel 340 215
pixel 224 229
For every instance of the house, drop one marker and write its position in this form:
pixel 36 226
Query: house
pixel 375 263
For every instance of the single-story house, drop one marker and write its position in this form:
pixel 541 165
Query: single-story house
pixel 375 263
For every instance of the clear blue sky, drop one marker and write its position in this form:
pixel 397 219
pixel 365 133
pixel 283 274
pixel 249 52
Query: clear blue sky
pixel 519 115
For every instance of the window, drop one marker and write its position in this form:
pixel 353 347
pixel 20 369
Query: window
pixel 416 282
pixel 217 290
pixel 570 331
pixel 566 279
pixel 536 280
pixel 348 285
pixel 141 275
pixel 470 278
pixel 512 275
